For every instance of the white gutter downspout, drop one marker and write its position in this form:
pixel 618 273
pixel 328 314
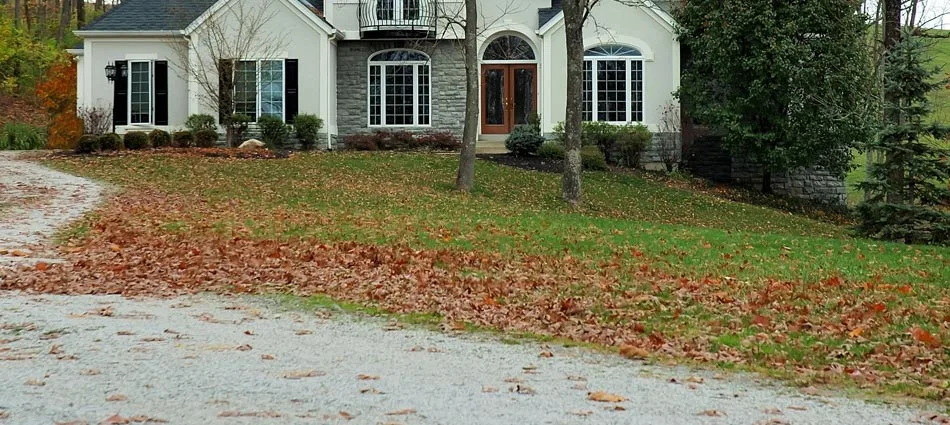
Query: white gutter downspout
pixel 326 71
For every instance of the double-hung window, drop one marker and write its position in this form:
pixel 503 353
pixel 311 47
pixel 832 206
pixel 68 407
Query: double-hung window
pixel 259 88
pixel 399 89
pixel 613 84
pixel 398 10
pixel 140 92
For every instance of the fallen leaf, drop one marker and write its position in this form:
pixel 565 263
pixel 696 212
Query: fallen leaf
pixel 617 408
pixel 514 380
pixel 401 412
pixel 696 379
pixel 147 419
pixel 303 332
pixel 300 374
pixel 856 332
pixel 114 420
pixel 125 333
pixel 772 411
pixel 35 383
pixel 363 377
pixel 922 335
pixel 712 412
pixel 116 397
pixel 42 266
pixel 576 378
pixel 77 422
pixel 56 349
pixel 245 347
pixel 487 389
pixel 522 389
pixel 581 412
pixel 239 414
pixel 267 357
pixel 546 354
pixel 370 390
pixel 800 408
pixel 4 414
pixel 346 415
pixel 605 397
pixel 633 352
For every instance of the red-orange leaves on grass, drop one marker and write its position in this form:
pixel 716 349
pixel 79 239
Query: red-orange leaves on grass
pixel 922 335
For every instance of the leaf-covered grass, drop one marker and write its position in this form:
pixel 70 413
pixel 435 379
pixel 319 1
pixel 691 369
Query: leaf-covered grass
pixel 683 274
pixel 389 199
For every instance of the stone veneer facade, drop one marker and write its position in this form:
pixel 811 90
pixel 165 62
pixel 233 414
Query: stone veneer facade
pixel 448 86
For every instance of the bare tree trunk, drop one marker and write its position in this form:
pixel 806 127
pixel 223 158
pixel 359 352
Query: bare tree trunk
pixel 80 14
pixel 16 13
pixel 892 36
pixel 466 174
pixel 575 12
pixel 65 13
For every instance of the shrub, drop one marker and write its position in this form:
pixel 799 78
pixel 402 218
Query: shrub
pixel 551 150
pixel 159 138
pixel 524 140
pixel 111 142
pixel 237 128
pixel 274 132
pixel 136 140
pixel 206 138
pixel 88 143
pixel 395 140
pixel 198 122
pixel 900 222
pixel 64 130
pixel 183 139
pixel 308 130
pixel 361 142
pixel 22 136
pixel 592 158
pixel 439 141
pixel 96 119
pixel 632 141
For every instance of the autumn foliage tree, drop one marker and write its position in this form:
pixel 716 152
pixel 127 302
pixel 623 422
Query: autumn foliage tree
pixel 57 94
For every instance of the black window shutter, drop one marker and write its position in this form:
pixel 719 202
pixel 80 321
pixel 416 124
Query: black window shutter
pixel 120 98
pixel 225 90
pixel 161 93
pixel 291 96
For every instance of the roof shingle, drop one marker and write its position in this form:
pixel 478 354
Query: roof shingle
pixel 150 15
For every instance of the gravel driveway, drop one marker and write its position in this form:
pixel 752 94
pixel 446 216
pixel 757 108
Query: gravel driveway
pixel 220 360
pixel 216 360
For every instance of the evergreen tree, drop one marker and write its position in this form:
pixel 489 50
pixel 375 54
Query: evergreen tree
pixel 787 83
pixel 907 187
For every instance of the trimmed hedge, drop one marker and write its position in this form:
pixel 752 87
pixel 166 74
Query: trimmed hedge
pixel 136 140
pixel 198 122
pixel 159 138
pixel 183 139
pixel 308 130
pixel 551 150
pixel 88 143
pixel 274 132
pixel 111 142
pixel 206 138
pixel 524 140
pixel 402 141
pixel 592 158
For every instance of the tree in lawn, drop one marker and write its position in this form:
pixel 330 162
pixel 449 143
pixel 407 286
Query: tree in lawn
pixel 907 188
pixel 788 83
pixel 208 59
pixel 576 13
pixel 466 172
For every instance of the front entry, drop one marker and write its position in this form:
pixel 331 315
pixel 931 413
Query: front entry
pixel 509 96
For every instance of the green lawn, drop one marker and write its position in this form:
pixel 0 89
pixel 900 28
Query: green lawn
pixel 395 198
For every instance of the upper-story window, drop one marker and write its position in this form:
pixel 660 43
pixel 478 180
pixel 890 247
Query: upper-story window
pixel 399 88
pixel 613 84
pixel 398 10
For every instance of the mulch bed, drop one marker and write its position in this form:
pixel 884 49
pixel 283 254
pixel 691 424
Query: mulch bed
pixel 532 163
pixel 230 153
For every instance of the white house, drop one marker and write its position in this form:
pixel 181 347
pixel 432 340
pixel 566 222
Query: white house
pixel 365 65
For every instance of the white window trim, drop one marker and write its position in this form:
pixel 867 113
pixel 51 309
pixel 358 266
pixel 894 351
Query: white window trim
pixel 151 92
pixel 629 82
pixel 399 12
pixel 257 74
pixel 382 92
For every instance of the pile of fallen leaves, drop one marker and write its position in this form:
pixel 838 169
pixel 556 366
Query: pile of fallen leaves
pixel 226 153
pixel 871 334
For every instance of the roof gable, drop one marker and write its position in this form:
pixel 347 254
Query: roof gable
pixel 150 15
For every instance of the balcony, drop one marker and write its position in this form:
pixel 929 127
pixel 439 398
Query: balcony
pixel 398 18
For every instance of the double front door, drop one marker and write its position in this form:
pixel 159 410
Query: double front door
pixel 509 96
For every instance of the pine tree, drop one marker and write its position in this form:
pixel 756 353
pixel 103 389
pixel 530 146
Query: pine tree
pixel 907 187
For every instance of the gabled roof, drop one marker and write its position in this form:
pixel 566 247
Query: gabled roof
pixel 162 15
pixel 150 15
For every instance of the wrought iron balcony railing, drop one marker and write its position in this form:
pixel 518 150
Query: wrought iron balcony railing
pixel 398 18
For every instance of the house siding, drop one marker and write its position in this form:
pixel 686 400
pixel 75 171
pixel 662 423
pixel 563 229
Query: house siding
pixel 448 85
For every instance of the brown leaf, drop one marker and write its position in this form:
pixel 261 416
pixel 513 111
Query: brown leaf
pixel 616 408
pixel 522 389
pixel 922 335
pixel 125 333
pixel 303 332
pixel 239 414
pixel 117 397
pixel 363 377
pixel 245 347
pixel 147 419
pixel 401 412
pixel 370 390
pixel 801 408
pixel 546 354
pixel 581 412
pixel 346 415
pixel 4 414
pixel 56 349
pixel 634 352
pixel 34 383
pixel 300 374
pixel 605 397
pixel 114 420
pixel 712 412
pixel 267 357
pixel 488 389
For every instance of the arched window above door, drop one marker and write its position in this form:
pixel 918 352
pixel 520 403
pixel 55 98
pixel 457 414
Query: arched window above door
pixel 509 48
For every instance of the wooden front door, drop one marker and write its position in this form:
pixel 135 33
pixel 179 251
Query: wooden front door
pixel 509 96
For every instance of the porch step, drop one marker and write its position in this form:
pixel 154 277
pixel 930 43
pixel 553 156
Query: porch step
pixel 490 147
